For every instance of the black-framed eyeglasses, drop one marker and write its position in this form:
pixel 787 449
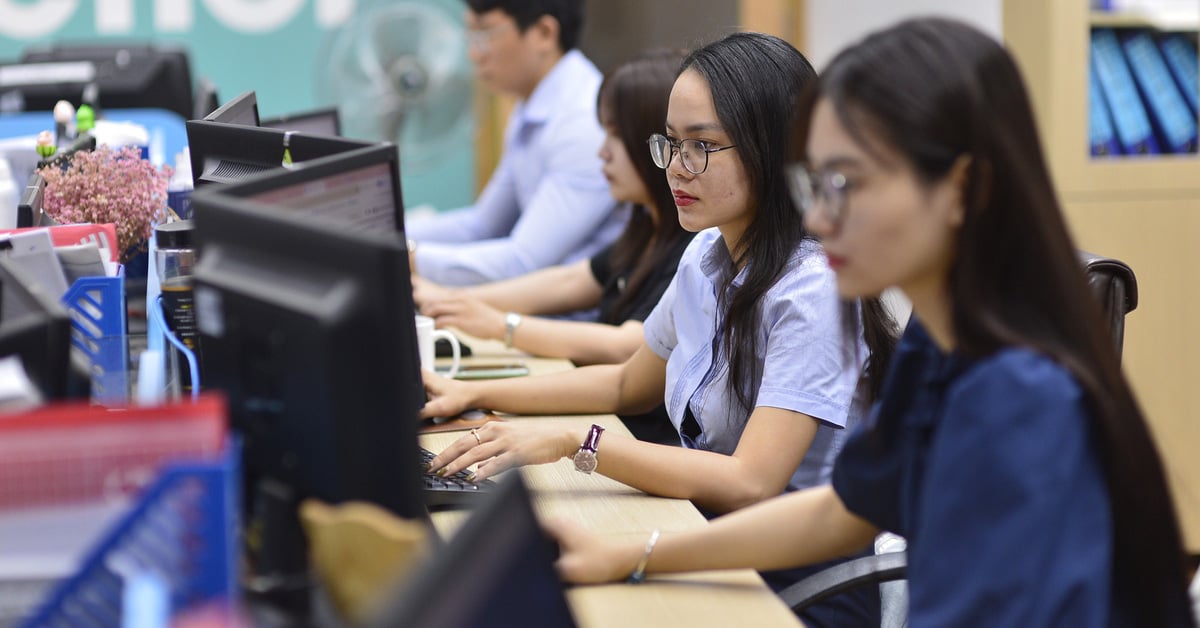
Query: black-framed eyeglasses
pixel 808 188
pixel 692 153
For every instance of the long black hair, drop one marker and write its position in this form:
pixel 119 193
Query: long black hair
pixel 756 81
pixel 937 90
pixel 633 102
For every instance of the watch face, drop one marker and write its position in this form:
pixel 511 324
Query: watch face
pixel 585 461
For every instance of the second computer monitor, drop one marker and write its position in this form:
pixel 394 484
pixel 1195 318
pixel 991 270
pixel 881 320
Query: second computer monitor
pixel 226 153
pixel 302 319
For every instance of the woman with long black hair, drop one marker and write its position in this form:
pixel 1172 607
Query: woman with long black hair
pixel 1006 445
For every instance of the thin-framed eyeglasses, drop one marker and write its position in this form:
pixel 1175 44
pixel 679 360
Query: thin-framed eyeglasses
pixel 692 153
pixel 829 189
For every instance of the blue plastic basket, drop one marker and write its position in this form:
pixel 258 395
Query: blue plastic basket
pixel 183 530
pixel 98 328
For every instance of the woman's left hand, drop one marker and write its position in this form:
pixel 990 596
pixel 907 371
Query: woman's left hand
pixel 498 446
pixel 586 558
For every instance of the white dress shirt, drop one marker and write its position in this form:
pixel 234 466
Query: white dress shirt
pixel 547 202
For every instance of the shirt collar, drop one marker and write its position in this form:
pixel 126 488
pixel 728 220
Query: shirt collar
pixel 716 264
pixel 553 87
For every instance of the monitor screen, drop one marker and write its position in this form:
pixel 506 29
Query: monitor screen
pixel 319 122
pixel 127 76
pixel 301 323
pixel 497 570
pixel 241 110
pixel 362 197
pixel 225 153
pixel 36 327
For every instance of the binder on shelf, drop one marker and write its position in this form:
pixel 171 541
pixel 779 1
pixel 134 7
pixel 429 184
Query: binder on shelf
pixel 1129 116
pixel 1102 139
pixel 1169 114
pixel 1180 55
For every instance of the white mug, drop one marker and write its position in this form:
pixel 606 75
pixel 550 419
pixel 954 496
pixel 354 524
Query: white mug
pixel 427 335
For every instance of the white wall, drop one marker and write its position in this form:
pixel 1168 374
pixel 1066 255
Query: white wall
pixel 834 24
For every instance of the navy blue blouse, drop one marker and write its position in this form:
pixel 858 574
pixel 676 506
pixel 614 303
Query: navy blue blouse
pixel 987 468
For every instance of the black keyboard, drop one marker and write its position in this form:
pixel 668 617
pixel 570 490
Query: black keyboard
pixel 452 490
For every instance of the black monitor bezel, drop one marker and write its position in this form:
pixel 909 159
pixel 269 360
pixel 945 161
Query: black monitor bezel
pixel 233 110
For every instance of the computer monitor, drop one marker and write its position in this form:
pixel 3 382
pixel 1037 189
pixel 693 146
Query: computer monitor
pixel 37 328
pixel 302 325
pixel 359 190
pixel 497 570
pixel 241 110
pixel 317 122
pixel 225 153
pixel 128 76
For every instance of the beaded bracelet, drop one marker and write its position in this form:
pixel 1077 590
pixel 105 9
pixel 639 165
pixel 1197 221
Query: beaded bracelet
pixel 639 572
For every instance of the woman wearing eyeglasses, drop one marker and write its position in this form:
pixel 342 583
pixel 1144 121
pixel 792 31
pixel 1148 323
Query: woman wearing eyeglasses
pixel 1006 446
pixel 745 345
pixel 625 280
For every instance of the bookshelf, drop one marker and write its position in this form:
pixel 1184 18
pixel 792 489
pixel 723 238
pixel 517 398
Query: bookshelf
pixel 1144 210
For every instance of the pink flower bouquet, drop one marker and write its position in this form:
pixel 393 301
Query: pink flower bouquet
pixel 107 185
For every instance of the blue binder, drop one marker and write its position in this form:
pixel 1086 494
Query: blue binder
pixel 1169 114
pixel 1180 54
pixel 1129 116
pixel 1102 139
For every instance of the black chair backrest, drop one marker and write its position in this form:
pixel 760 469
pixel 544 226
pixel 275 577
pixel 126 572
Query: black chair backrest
pixel 1115 286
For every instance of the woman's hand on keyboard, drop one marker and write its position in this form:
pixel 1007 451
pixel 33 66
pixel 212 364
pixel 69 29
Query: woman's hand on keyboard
pixel 496 447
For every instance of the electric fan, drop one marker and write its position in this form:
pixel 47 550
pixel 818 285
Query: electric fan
pixel 398 72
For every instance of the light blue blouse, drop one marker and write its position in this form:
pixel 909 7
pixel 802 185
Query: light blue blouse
pixel 805 362
pixel 547 202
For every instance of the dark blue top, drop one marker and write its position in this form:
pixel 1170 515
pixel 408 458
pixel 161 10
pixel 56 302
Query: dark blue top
pixel 988 469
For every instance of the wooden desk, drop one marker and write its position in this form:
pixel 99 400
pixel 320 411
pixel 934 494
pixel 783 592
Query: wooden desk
pixel 605 506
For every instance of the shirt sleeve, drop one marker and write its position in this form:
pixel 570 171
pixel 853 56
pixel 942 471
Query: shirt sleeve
pixel 492 216
pixel 807 366
pixel 569 204
pixel 659 326
pixel 1014 517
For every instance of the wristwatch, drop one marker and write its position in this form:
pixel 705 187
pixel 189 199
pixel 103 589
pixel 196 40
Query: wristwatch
pixel 511 321
pixel 585 458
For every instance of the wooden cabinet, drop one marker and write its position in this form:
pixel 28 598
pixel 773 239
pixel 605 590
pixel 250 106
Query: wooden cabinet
pixel 1143 210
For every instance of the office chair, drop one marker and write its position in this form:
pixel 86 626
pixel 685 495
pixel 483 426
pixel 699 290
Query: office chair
pixel 1115 286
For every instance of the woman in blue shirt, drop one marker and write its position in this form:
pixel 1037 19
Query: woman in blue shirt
pixel 625 280
pixel 1006 445
pixel 745 345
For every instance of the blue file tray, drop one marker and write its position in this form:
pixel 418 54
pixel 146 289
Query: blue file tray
pixel 98 329
pixel 183 530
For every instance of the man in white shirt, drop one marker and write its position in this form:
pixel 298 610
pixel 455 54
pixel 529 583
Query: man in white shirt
pixel 547 202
